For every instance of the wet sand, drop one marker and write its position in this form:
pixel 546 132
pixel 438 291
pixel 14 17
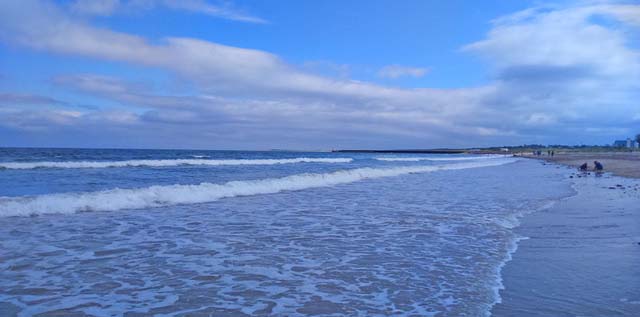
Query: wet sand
pixel 582 256
pixel 625 164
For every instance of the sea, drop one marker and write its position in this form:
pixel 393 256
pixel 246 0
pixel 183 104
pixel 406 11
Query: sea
pixel 121 232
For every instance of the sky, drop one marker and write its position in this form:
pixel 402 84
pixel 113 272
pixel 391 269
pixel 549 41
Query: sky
pixel 317 75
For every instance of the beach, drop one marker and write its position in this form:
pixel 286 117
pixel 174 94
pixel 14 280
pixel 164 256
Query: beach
pixel 626 164
pixel 580 256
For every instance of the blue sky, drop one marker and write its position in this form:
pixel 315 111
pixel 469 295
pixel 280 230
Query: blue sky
pixel 317 74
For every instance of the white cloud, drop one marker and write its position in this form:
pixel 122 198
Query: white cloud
pixel 95 7
pixel 397 71
pixel 15 99
pixel 554 68
pixel 109 7
pixel 562 38
pixel 51 119
pixel 628 13
pixel 201 6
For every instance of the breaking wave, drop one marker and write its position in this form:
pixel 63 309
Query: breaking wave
pixel 417 159
pixel 157 196
pixel 163 163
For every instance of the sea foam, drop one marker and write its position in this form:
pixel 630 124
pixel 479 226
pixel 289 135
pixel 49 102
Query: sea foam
pixel 157 196
pixel 163 163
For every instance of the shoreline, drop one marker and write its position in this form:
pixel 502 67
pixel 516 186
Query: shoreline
pixel 624 164
pixel 578 257
pixel 513 248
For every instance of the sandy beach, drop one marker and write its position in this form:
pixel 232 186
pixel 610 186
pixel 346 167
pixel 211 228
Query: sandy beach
pixel 580 257
pixel 625 164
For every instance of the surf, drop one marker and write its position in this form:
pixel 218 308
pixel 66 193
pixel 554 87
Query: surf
pixel 166 163
pixel 158 196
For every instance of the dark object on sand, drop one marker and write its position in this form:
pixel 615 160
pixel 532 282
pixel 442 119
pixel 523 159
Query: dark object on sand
pixel 584 167
pixel 598 166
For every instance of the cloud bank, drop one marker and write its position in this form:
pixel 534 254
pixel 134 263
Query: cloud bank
pixel 558 74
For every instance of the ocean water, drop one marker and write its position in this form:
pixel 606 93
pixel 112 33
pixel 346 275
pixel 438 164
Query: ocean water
pixel 231 233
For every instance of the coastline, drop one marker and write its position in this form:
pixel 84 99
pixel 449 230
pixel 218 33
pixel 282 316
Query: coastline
pixel 625 164
pixel 580 256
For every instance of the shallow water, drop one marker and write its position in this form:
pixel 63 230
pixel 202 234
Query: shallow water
pixel 360 237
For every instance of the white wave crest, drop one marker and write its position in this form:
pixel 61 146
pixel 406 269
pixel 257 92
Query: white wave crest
pixel 163 163
pixel 417 159
pixel 156 196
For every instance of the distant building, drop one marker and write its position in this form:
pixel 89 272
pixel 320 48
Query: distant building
pixel 628 143
pixel 620 143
